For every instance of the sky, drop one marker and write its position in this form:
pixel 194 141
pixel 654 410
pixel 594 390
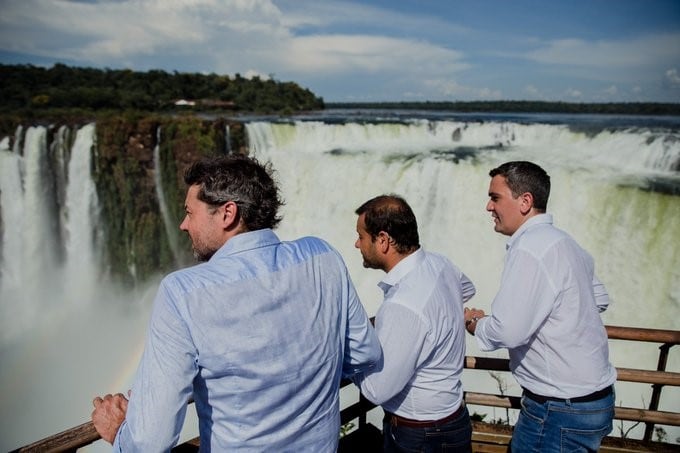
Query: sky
pixel 371 51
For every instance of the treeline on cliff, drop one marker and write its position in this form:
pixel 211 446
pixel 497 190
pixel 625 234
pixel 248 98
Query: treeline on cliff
pixel 32 88
pixel 612 108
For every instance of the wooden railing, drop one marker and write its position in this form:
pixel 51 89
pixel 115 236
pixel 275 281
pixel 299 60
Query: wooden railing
pixel 85 434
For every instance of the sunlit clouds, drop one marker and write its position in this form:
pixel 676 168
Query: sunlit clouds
pixel 387 51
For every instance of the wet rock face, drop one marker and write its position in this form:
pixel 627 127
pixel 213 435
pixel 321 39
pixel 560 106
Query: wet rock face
pixel 125 173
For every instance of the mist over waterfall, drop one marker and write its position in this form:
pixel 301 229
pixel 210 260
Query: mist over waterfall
pixel 65 334
pixel 616 190
pixel 68 333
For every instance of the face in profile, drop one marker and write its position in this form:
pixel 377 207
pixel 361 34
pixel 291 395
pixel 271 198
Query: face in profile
pixel 366 245
pixel 201 222
pixel 504 208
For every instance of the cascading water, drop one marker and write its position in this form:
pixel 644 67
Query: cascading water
pixel 82 215
pixel 170 228
pixel 601 195
pixel 67 336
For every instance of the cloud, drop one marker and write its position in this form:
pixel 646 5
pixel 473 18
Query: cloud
pixel 111 32
pixel 217 35
pixel 673 77
pixel 532 91
pixel 368 54
pixel 573 93
pixel 611 90
pixel 251 74
pixel 646 50
pixel 451 89
pixel 337 48
pixel 609 55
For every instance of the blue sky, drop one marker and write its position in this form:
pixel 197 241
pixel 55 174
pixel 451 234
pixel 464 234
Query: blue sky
pixel 380 50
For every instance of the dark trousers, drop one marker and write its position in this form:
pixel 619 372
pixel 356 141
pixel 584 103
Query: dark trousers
pixel 453 436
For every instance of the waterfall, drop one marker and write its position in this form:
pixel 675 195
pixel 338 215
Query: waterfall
pixel 65 334
pixel 81 266
pixel 49 211
pixel 616 190
pixel 601 195
pixel 170 227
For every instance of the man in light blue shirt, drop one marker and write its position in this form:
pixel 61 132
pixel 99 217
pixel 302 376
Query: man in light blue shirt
pixel 547 314
pixel 421 329
pixel 259 333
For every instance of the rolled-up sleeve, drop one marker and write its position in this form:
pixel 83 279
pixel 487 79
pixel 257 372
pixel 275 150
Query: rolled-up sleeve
pixel 601 295
pixel 467 286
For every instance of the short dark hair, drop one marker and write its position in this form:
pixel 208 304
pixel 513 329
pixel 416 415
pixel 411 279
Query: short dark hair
pixel 244 181
pixel 522 177
pixel 391 214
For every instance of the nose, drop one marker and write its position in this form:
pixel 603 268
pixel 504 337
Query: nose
pixel 183 225
pixel 356 244
pixel 489 206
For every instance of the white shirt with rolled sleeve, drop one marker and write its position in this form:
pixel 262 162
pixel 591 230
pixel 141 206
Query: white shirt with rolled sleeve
pixel 421 329
pixel 547 314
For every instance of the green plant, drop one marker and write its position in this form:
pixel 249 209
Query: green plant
pixel 346 429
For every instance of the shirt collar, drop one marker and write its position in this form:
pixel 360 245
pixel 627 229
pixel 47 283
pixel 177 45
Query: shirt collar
pixel 402 268
pixel 539 219
pixel 247 241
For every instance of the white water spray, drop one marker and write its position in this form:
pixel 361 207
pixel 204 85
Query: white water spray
pixel 441 168
pixel 170 227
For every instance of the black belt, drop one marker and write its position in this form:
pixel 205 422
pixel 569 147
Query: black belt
pixel 396 420
pixel 579 399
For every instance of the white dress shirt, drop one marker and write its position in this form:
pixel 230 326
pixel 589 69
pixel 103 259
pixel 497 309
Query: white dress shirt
pixel 547 313
pixel 421 329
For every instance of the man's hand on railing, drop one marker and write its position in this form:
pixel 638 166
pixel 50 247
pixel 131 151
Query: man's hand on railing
pixel 472 315
pixel 108 414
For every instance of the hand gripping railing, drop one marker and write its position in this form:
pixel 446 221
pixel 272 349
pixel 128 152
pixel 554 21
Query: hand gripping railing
pixel 85 434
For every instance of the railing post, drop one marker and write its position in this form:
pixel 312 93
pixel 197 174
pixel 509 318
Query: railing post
pixel 362 418
pixel 656 388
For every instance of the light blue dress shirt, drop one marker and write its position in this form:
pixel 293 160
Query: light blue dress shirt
pixel 420 325
pixel 547 313
pixel 259 335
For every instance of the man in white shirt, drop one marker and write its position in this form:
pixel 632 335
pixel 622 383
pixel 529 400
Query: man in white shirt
pixel 547 314
pixel 421 330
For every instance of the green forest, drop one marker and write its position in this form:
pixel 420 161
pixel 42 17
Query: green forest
pixel 631 108
pixel 32 89
pixel 29 91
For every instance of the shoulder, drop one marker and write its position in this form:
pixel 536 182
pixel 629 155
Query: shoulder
pixel 311 246
pixel 539 238
pixel 187 279
pixel 440 263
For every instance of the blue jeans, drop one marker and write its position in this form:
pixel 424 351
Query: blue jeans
pixel 562 426
pixel 452 436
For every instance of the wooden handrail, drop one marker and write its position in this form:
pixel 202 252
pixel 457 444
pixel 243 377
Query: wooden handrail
pixel 671 337
pixel 85 434
pixel 623 374
pixel 622 413
pixel 68 440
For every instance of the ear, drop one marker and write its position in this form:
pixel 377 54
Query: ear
pixel 526 203
pixel 229 215
pixel 382 242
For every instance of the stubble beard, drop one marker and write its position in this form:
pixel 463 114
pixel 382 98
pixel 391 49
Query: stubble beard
pixel 202 252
